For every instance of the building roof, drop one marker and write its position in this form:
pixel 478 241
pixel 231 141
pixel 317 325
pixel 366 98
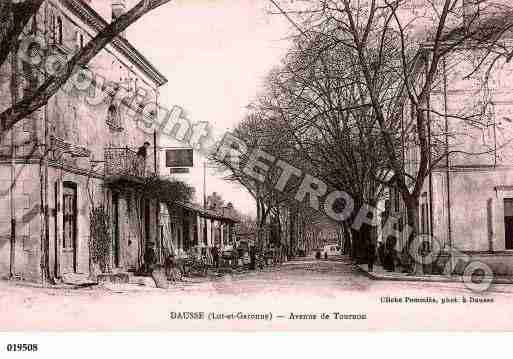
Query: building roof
pixel 93 19
pixel 208 213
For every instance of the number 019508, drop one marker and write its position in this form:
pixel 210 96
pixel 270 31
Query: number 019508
pixel 22 347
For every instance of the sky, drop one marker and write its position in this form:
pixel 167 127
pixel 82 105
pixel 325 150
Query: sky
pixel 215 54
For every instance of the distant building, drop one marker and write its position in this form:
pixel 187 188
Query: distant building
pixel 188 225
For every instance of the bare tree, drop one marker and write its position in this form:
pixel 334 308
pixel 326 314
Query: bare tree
pixel 261 189
pixel 333 136
pixel 399 59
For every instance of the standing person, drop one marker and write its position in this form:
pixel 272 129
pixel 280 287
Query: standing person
pixel 142 153
pixel 150 257
pixel 252 257
pixel 215 256
pixel 170 268
pixel 381 254
pixel 371 256
pixel 390 254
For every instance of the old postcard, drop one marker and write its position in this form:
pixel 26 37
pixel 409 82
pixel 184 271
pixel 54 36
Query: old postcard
pixel 255 165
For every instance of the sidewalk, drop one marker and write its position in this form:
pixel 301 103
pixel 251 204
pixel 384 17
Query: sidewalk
pixel 135 282
pixel 379 273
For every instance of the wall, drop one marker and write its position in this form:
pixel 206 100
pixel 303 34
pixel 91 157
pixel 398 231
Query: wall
pixel 69 113
pixel 27 209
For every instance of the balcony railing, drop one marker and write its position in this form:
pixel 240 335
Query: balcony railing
pixel 124 162
pixel 59 146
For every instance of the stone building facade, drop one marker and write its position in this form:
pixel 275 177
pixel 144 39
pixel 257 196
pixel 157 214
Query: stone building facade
pixel 90 132
pixel 466 201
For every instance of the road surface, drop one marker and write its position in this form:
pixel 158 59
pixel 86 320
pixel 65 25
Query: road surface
pixel 299 295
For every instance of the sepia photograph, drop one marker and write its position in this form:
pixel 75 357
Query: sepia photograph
pixel 269 166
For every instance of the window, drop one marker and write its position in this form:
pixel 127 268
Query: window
pixel 81 41
pixel 53 27
pixel 69 216
pixel 113 119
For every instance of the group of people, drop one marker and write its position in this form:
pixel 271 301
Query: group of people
pixel 385 253
pixel 256 256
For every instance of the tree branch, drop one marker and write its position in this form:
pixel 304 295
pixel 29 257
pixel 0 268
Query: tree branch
pixel 53 83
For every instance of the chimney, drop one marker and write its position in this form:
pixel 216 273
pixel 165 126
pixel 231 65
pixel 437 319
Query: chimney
pixel 118 8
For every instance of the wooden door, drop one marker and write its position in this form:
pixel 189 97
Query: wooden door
pixel 115 230
pixel 508 223
pixel 69 228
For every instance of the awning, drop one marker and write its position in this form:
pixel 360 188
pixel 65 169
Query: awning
pixel 206 213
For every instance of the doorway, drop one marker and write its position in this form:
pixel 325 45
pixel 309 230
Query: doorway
pixel 115 229
pixel 508 222
pixel 69 228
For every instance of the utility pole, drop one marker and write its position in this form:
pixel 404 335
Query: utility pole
pixel 44 215
pixel 12 187
pixel 447 169
pixel 205 240
pixel 157 206
pixel 12 193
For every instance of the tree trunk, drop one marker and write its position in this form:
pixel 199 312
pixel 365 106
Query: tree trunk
pixel 412 211
pixel 355 239
pixel 261 217
pixel 6 27
pixel 46 276
pixel 347 240
pixel 279 227
pixel 293 231
pixel 362 242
